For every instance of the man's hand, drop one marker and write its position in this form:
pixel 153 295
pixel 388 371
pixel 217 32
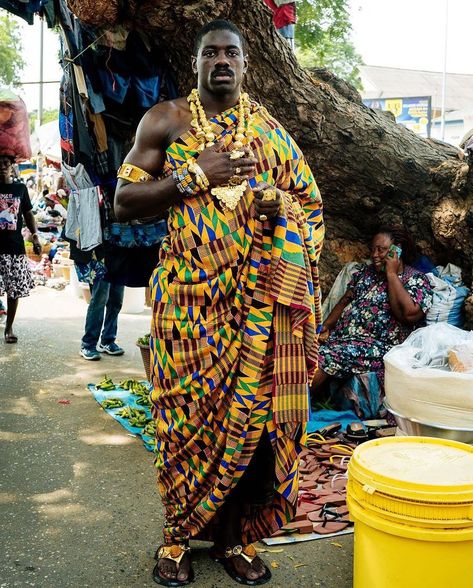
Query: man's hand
pixel 36 245
pixel 219 168
pixel 266 208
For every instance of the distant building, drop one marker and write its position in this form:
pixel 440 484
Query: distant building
pixel 383 83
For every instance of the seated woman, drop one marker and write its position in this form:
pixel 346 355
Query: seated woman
pixel 383 304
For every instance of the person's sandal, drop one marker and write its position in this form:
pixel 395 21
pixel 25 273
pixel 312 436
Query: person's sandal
pixel 248 553
pixel 175 553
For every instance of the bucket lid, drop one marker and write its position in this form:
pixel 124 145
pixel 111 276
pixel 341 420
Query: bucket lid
pixel 418 468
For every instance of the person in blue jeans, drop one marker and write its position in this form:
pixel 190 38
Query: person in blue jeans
pixel 106 301
pixel 101 322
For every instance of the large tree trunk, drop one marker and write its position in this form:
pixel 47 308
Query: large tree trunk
pixel 368 167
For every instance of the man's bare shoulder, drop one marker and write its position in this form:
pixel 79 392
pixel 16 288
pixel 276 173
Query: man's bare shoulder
pixel 169 109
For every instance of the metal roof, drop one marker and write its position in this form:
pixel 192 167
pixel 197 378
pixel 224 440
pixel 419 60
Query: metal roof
pixel 391 82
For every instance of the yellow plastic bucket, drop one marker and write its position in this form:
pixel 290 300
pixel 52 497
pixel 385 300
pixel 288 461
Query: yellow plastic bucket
pixel 411 499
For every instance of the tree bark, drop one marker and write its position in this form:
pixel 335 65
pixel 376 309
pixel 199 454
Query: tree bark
pixel 369 168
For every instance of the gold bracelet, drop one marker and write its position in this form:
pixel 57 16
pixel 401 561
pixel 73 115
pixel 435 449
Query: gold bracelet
pixel 132 173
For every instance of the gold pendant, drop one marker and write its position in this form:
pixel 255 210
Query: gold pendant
pixel 229 196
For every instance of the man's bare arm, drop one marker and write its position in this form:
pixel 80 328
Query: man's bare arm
pixel 153 198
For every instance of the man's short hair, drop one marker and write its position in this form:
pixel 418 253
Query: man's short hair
pixel 218 25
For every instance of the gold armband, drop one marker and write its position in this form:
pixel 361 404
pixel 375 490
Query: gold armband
pixel 131 173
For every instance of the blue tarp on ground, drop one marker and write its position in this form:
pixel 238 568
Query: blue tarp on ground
pixel 129 399
pixel 318 420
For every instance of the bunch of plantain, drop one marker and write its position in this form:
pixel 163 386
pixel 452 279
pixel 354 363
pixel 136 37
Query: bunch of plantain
pixel 105 384
pixel 112 403
pixel 150 429
pixel 135 387
pixel 135 416
pixel 144 400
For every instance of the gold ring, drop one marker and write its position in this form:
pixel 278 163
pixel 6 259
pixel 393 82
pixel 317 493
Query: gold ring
pixel 263 218
pixel 269 194
pixel 238 171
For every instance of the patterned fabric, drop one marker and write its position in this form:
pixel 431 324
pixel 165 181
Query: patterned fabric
pixel 16 280
pixel 236 309
pixel 367 329
pixel 89 272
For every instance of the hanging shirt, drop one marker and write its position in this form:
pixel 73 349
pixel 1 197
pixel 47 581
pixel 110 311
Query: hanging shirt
pixel 14 203
pixel 284 14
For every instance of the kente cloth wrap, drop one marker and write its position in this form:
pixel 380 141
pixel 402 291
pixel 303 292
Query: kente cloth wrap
pixel 236 311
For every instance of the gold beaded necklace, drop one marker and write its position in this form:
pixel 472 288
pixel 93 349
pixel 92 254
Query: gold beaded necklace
pixel 229 195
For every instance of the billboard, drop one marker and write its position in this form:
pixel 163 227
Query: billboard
pixel 415 113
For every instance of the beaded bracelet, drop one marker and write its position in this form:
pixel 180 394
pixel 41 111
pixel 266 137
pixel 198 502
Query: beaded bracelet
pixel 184 181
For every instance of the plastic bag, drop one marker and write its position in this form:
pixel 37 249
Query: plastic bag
pixel 14 126
pixel 419 382
pixel 449 295
pixel 460 357
pixel 432 344
pixel 340 286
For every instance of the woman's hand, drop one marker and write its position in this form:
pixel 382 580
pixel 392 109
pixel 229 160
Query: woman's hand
pixel 392 263
pixel 267 201
pixel 324 334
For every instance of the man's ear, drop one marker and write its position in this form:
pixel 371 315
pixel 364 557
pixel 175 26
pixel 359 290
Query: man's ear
pixel 245 63
pixel 194 63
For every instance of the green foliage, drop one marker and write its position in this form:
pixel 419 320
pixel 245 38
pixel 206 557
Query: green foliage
pixel 48 116
pixel 11 61
pixel 323 38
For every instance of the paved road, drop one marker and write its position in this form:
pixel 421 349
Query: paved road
pixel 78 501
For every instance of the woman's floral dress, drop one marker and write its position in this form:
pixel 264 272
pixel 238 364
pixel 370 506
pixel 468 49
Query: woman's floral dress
pixel 367 329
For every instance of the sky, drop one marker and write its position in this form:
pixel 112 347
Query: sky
pixel 410 34
pixel 395 33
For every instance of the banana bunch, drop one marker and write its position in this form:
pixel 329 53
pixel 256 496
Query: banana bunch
pixel 105 384
pixel 150 429
pixel 112 403
pixel 144 400
pixel 135 416
pixel 135 387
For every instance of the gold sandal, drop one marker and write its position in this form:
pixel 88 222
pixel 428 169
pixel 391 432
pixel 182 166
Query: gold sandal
pixel 248 553
pixel 175 553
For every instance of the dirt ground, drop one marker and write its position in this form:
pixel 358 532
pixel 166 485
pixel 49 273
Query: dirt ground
pixel 78 499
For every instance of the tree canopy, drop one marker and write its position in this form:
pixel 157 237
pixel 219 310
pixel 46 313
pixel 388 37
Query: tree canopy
pixel 11 61
pixel 323 38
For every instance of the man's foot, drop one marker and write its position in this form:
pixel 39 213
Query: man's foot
pixel 243 565
pixel 110 349
pixel 173 567
pixel 90 354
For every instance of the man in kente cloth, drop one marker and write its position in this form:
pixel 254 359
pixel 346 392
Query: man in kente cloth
pixel 236 310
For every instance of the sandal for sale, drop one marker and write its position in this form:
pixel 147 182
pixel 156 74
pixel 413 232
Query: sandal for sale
pixel 356 432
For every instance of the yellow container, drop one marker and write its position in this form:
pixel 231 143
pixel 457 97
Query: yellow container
pixel 411 499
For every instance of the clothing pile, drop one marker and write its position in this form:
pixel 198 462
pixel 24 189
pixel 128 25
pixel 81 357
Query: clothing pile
pixel 111 76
